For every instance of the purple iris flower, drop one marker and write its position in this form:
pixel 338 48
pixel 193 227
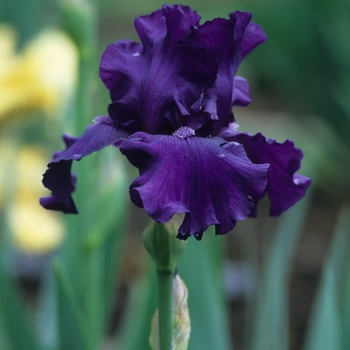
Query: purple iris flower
pixel 171 116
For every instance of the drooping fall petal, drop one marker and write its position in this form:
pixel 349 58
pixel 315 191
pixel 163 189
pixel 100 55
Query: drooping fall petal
pixel 209 180
pixel 284 186
pixel 58 177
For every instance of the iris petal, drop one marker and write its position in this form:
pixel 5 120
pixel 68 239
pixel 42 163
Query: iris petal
pixel 164 81
pixel 169 21
pixel 229 41
pixel 180 79
pixel 284 186
pixel 120 69
pixel 240 96
pixel 95 137
pixel 151 28
pixel 61 182
pixel 253 36
pixel 154 85
pixel 209 180
pixel 183 73
pixel 58 177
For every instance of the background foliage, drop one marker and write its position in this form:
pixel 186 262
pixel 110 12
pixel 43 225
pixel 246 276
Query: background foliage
pixel 85 282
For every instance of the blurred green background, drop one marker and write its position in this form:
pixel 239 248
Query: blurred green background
pixel 269 284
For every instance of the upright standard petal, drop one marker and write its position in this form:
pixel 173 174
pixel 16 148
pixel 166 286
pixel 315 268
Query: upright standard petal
pixel 228 40
pixel 240 95
pixel 169 23
pixel 209 180
pixel 166 83
pixel 58 177
pixel 121 69
pixel 284 186
pixel 253 36
pixel 159 86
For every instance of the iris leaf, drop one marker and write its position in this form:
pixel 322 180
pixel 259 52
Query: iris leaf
pixel 72 326
pixel 15 322
pixel 201 269
pixel 141 308
pixel 270 328
pixel 330 315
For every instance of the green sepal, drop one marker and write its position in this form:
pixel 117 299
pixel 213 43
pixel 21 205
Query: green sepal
pixel 162 245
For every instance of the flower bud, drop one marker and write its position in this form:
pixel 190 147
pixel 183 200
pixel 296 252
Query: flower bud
pixel 163 246
pixel 182 322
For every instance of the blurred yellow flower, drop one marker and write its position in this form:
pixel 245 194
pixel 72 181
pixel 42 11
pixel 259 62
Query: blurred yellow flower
pixel 33 229
pixel 41 77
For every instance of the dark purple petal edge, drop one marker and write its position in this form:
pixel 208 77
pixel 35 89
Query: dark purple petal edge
pixel 209 180
pixel 285 187
pixel 58 178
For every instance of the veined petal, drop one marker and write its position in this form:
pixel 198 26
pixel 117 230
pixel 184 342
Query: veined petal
pixel 64 185
pixel 284 186
pixel 171 21
pixel 229 131
pixel 58 177
pixel 154 85
pixel 151 28
pixel 253 36
pixel 240 95
pixel 209 180
pixel 53 203
pixel 183 73
pixel 228 41
pixel 121 69
pixel 167 82
pixel 96 136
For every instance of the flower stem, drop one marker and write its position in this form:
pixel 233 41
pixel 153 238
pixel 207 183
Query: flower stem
pixel 165 309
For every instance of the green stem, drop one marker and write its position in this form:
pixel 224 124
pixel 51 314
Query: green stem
pixel 165 309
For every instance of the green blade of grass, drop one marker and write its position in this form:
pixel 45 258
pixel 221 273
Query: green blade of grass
pixel 141 308
pixel 329 316
pixel 201 270
pixel 15 322
pixel 270 328
pixel 103 247
pixel 72 326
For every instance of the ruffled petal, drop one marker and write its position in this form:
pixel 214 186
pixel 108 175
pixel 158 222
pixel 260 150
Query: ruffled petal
pixel 168 83
pixel 121 66
pixel 151 28
pixel 240 95
pixel 284 186
pixel 96 136
pixel 253 36
pixel 121 69
pixel 61 182
pixel 183 73
pixel 229 131
pixel 217 37
pixel 53 203
pixel 169 23
pixel 58 177
pixel 228 41
pixel 209 180
pixel 154 85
